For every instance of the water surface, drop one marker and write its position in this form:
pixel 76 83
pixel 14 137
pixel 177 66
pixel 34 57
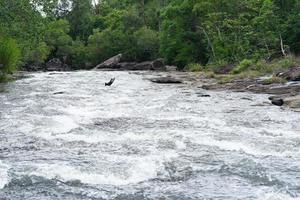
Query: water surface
pixel 67 136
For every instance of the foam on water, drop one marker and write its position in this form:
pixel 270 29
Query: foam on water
pixel 276 196
pixel 3 174
pixel 144 138
pixel 138 171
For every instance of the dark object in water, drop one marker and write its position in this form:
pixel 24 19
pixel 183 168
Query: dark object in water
pixel 110 82
pixel 278 102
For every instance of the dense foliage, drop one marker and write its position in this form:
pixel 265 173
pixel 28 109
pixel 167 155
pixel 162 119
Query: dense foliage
pixel 86 32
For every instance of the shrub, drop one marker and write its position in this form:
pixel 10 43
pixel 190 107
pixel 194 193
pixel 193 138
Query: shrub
pixel 194 67
pixel 274 79
pixel 38 55
pixel 9 55
pixel 244 65
pixel 287 63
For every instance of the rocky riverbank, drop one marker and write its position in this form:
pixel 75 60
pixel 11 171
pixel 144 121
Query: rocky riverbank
pixel 281 94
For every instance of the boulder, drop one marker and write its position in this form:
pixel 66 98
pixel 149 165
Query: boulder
pixel 292 74
pixel 277 102
pixel 166 80
pixel 110 63
pixel 158 64
pixel 147 65
pixel 115 64
pixel 54 65
pixel 126 65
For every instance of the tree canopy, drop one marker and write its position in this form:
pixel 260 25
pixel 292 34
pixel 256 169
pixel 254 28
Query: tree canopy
pixel 180 31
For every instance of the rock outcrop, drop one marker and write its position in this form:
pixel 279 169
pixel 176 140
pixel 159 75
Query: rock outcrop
pixel 292 74
pixel 56 64
pixel 110 63
pixel 115 63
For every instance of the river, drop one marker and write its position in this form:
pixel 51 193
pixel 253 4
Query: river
pixel 67 136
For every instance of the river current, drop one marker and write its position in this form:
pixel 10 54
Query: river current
pixel 65 136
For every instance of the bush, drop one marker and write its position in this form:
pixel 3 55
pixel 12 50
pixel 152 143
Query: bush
pixel 243 66
pixel 38 55
pixel 9 55
pixel 273 80
pixel 287 63
pixel 194 67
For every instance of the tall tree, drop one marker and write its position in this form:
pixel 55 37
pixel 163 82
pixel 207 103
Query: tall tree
pixel 80 19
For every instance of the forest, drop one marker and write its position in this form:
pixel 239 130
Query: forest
pixel 205 33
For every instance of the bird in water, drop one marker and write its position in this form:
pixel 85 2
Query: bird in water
pixel 110 82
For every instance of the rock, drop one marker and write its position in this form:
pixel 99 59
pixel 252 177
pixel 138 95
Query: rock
pixel 33 67
pixel 158 64
pixel 292 74
pixel 171 68
pixel 204 95
pixel 56 65
pixel 115 64
pixel 126 65
pixel 277 102
pixel 110 63
pixel 147 65
pixel 166 80
pixel 289 101
pixel 55 93
pixel 292 102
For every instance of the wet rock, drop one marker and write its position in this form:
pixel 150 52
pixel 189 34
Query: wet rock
pixel 166 80
pixel 204 95
pixel 277 102
pixel 171 68
pixel 110 63
pixel 55 93
pixel 292 74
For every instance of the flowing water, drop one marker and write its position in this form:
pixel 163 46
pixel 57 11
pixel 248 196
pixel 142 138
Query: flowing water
pixel 65 136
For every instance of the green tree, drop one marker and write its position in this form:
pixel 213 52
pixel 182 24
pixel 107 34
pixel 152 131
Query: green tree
pixel 9 55
pixel 57 38
pixel 80 18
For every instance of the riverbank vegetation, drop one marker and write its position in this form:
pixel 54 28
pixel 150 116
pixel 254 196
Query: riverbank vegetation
pixel 250 36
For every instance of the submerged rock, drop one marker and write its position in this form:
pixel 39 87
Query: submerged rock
pixel 166 80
